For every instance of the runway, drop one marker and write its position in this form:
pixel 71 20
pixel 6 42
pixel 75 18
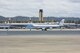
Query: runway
pixel 26 33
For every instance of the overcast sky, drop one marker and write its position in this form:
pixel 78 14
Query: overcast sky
pixel 30 8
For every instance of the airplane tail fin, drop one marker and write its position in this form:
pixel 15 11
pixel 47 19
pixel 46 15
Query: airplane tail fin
pixel 62 22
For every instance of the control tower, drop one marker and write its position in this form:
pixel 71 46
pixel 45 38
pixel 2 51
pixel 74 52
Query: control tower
pixel 41 15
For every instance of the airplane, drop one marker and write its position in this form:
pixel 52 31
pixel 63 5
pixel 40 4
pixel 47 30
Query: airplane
pixel 43 26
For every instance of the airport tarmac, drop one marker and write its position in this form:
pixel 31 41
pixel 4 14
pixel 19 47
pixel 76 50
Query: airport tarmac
pixel 41 42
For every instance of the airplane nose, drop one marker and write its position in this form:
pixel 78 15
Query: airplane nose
pixel 29 26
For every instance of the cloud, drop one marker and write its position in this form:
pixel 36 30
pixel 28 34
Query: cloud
pixel 61 8
pixel 19 7
pixel 31 7
pixel 75 1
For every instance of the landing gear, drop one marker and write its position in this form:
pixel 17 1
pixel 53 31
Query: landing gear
pixel 44 29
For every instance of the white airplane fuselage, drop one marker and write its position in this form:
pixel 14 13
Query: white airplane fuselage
pixel 45 25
